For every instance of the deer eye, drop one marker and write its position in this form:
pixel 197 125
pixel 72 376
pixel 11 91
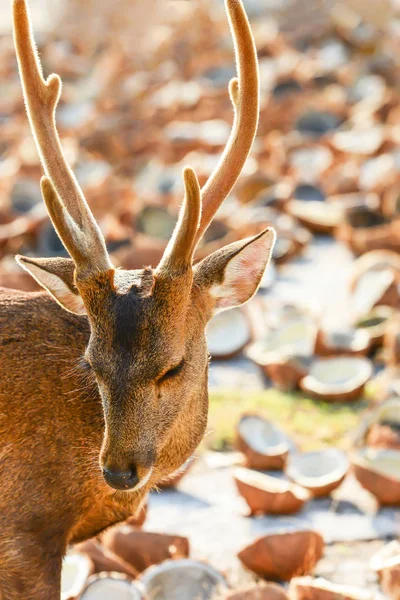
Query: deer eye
pixel 172 372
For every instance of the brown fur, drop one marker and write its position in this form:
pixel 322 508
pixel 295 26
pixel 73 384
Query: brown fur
pixel 118 380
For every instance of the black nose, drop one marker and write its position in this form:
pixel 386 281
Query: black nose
pixel 121 480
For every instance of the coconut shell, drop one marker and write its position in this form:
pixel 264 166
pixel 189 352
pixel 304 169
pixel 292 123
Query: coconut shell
pixel 271 502
pixel 318 483
pixel 268 591
pixel 261 462
pixel 391 342
pixel 285 372
pixel 281 556
pixel 141 549
pixel 383 436
pixel 385 489
pixel 258 460
pixel 308 588
pixel 375 260
pixel 104 560
pixel 348 396
pixel 80 576
pixel 324 347
pixel 390 581
pixel 319 386
pixel 324 490
pixel 97 586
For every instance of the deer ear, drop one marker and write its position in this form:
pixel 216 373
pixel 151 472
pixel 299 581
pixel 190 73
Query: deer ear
pixel 56 275
pixel 232 274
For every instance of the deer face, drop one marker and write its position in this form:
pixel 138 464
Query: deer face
pixel 148 351
pixel 147 346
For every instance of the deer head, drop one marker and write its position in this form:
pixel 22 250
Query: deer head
pixel 147 346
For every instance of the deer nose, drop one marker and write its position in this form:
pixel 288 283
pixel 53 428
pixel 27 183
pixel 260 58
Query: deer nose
pixel 121 480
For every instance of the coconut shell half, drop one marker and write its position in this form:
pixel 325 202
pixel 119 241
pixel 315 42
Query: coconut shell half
pixel 76 570
pixel 338 379
pixel 109 586
pixel 228 333
pixel 381 427
pixel 282 556
pixel 378 471
pixel 268 591
pixel 283 370
pixel 264 446
pixel 376 323
pixel 179 579
pixel 294 337
pixel 318 217
pixel 310 588
pixel 374 288
pixel 142 549
pixel 348 342
pixel 386 563
pixel 376 260
pixel 269 495
pixel 318 472
pixel 103 560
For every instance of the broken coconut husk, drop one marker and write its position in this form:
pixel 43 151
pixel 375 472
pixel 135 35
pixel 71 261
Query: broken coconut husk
pixel 319 472
pixel 378 471
pixel 171 481
pixel 76 569
pixel 142 549
pixel 318 217
pixel 376 323
pixel 312 588
pixel 347 342
pixel 108 586
pixel 386 564
pixel 179 579
pixel 283 555
pixel 267 591
pixel 381 427
pixel 269 495
pixel 293 337
pixel 374 288
pixel 391 341
pixel 284 371
pixel 375 260
pixel 228 333
pixel 264 445
pixel 104 560
pixel 338 379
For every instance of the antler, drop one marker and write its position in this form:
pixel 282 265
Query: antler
pixel 244 93
pixel 65 203
pixel 178 254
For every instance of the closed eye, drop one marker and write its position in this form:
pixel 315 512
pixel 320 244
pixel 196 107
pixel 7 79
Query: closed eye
pixel 172 372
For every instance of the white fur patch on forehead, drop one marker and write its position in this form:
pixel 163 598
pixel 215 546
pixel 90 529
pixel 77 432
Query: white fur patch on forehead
pixel 243 273
pixel 124 280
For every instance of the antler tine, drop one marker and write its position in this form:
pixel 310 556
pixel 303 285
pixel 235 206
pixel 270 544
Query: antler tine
pixel 244 93
pixel 178 254
pixel 76 224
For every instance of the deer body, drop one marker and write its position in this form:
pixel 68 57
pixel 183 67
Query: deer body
pixel 103 377
pixel 52 438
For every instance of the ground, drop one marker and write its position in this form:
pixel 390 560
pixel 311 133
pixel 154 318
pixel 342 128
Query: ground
pixel 207 507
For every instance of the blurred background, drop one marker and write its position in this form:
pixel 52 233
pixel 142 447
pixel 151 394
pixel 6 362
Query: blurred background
pixel 144 94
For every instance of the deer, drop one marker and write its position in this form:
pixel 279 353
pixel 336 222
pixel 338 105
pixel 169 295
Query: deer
pixel 104 373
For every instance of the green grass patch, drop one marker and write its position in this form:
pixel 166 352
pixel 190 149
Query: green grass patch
pixel 311 424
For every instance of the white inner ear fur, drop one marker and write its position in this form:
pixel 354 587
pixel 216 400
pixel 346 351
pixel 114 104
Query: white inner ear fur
pixel 56 287
pixel 243 273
